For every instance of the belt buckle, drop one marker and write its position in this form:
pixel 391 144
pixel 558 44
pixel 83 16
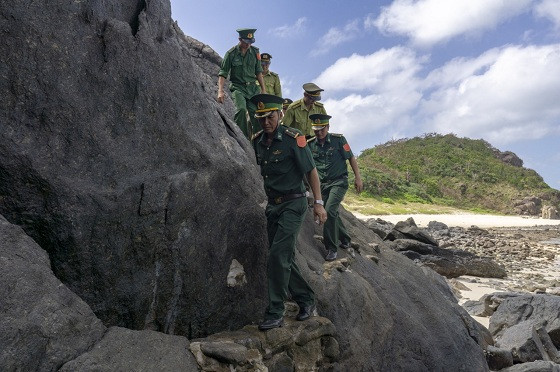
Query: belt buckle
pixel 278 200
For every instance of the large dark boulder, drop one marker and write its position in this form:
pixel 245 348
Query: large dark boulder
pixel 116 159
pixel 42 323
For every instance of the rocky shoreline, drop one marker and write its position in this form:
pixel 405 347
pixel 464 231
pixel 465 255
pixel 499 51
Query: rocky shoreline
pixel 512 287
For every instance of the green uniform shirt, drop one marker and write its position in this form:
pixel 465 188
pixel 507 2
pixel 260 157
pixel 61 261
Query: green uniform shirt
pixel 284 162
pixel 241 69
pixel 330 158
pixel 272 83
pixel 297 115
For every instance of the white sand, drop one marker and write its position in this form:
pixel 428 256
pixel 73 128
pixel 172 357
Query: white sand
pixel 465 220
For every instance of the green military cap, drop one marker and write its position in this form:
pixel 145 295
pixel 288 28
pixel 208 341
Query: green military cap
pixel 319 121
pixel 266 103
pixel 247 34
pixel 313 90
pixel 286 103
pixel 265 57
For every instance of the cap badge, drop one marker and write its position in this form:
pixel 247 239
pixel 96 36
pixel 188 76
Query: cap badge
pixel 260 106
pixel 249 35
pixel 317 121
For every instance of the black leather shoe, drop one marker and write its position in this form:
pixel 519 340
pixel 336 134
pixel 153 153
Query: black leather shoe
pixel 305 312
pixel 271 323
pixel 331 256
pixel 344 245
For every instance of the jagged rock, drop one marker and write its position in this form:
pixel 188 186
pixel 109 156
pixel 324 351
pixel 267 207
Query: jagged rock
pixel 550 212
pixel 42 323
pixel 126 350
pixel 537 366
pixel 513 322
pixel 116 158
pixel 380 227
pixel 498 358
pixel 529 206
pixel 408 230
pixel 435 225
pixel 303 346
pixel 508 157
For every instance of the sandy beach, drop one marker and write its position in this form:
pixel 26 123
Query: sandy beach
pixel 465 220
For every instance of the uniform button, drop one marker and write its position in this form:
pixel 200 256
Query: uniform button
pixel 265 176
pixel 265 162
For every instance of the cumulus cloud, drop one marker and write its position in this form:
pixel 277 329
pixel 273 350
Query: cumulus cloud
pixel 429 22
pixel 512 94
pixel 505 95
pixel 549 9
pixel 290 31
pixel 336 36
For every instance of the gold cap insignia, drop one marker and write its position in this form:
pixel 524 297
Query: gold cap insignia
pixel 317 121
pixel 249 36
pixel 260 105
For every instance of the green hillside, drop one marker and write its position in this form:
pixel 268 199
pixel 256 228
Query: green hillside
pixel 451 171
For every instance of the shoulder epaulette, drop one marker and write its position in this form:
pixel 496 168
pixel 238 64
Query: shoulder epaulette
pixel 318 104
pixel 336 135
pixel 256 135
pixel 232 49
pixel 273 73
pixel 311 139
pixel 296 104
pixel 292 132
pixel 255 48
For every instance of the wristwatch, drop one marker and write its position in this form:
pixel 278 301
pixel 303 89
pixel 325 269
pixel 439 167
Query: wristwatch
pixel 319 202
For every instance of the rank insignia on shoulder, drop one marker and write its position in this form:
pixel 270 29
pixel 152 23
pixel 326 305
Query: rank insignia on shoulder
pixel 336 135
pixel 291 133
pixel 311 139
pixel 301 141
pixel 256 135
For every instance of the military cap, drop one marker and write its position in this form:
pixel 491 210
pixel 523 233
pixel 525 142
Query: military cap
pixel 319 121
pixel 313 90
pixel 265 57
pixel 266 103
pixel 286 102
pixel 247 34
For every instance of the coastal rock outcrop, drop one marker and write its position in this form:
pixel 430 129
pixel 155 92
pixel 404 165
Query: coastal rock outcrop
pixel 116 159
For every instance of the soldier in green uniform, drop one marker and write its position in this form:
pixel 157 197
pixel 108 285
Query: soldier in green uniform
pixel 242 66
pixel 271 79
pixel 330 152
pixel 284 158
pixel 297 114
pixel 285 104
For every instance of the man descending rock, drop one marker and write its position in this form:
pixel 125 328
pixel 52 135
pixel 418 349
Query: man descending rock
pixel 330 152
pixel 284 158
pixel 242 66
pixel 297 114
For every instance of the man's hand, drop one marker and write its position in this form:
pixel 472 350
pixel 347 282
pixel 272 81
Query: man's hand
pixel 319 213
pixel 220 96
pixel 358 185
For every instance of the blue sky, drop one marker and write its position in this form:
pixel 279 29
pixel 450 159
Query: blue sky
pixel 485 69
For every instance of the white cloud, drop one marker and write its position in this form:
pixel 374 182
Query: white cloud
pixel 380 71
pixel 549 9
pixel 514 97
pixel 290 31
pixel 505 95
pixel 428 22
pixel 336 36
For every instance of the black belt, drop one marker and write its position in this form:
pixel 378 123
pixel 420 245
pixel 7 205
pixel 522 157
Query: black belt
pixel 284 198
pixel 336 179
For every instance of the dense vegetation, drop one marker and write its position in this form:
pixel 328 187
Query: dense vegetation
pixel 447 170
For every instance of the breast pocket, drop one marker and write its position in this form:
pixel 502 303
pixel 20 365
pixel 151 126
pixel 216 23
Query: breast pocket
pixel 236 62
pixel 279 164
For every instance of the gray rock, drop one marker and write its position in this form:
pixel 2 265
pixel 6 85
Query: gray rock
pixel 537 366
pixel 437 226
pixel 42 323
pixel 498 358
pixel 127 350
pixel 117 159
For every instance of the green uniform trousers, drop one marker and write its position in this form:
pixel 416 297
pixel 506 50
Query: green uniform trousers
pixel 333 230
pixel 242 106
pixel 283 225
